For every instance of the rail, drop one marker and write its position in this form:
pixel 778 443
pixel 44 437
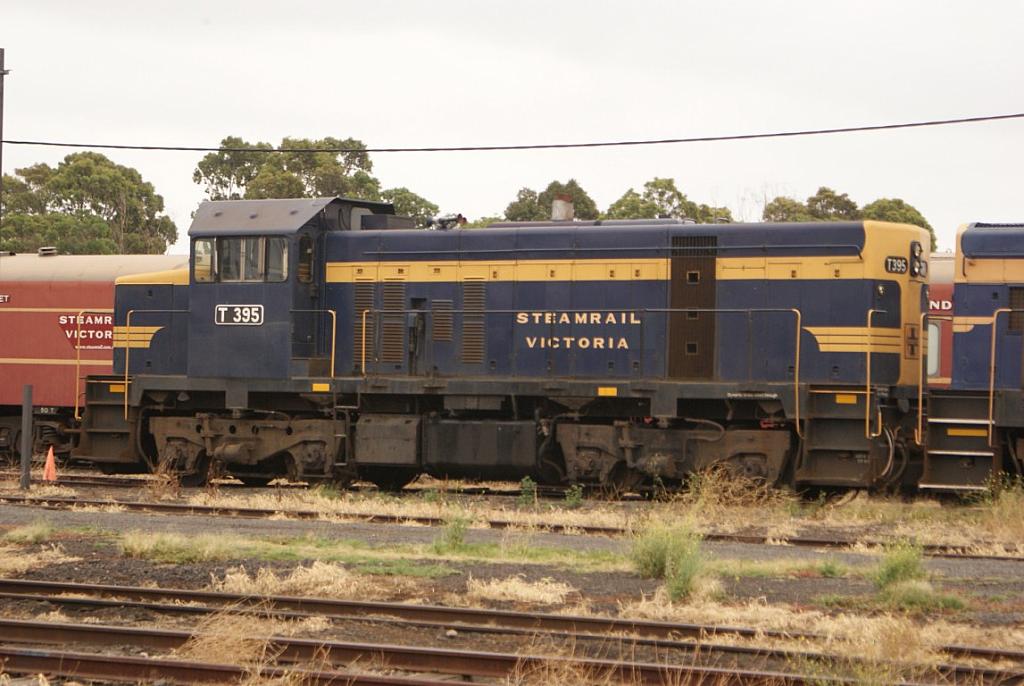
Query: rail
pixel 128 345
pixel 334 330
pixel 78 351
pixel 798 318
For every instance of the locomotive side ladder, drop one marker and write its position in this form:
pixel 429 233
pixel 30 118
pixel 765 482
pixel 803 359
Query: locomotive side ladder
pixel 958 456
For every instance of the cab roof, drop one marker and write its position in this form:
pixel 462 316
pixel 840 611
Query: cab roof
pixel 278 216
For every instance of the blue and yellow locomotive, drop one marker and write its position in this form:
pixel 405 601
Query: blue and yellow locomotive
pixel 329 339
pixel 975 428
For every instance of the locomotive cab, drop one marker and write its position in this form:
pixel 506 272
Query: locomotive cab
pixel 257 287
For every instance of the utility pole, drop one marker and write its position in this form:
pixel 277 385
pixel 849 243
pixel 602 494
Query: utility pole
pixel 3 73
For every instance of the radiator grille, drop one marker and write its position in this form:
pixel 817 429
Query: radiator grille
pixel 362 301
pixel 694 246
pixel 474 298
pixel 1016 303
pixel 441 320
pixel 393 323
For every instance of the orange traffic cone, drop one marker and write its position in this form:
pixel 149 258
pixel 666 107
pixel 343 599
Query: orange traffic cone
pixel 50 470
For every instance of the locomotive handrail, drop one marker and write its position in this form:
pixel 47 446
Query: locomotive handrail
pixel 795 311
pixel 78 350
pixel 128 345
pixel 868 433
pixel 334 331
pixel 992 370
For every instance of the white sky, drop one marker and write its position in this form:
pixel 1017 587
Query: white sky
pixel 457 72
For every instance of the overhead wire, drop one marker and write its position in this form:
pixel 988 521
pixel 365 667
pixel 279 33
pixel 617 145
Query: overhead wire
pixel 535 146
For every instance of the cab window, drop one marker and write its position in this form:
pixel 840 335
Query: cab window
pixel 246 259
pixel 306 259
pixel 277 259
pixel 934 348
pixel 203 255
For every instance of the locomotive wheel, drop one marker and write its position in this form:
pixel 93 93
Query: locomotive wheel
pixel 550 472
pixel 622 479
pixel 198 477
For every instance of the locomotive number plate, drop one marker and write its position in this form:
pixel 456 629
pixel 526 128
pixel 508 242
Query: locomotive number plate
pixel 896 265
pixel 238 315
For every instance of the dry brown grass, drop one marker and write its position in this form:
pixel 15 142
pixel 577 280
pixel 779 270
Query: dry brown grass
pixel 18 561
pixel 320 579
pixel 51 491
pixel 36 532
pixel 841 627
pixel 177 548
pixel 518 589
pixel 163 485
pixel 478 512
pixel 232 637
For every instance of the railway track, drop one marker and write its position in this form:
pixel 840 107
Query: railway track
pixel 128 669
pixel 662 637
pixel 931 550
pixel 463 663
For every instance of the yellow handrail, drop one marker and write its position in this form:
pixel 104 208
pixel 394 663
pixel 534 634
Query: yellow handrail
pixel 868 433
pixel 78 351
pixel 334 332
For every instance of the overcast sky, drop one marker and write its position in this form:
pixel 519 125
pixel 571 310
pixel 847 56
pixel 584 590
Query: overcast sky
pixel 463 72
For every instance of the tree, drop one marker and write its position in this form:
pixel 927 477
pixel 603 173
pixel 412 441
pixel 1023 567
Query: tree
pixel 526 208
pixel 783 209
pixel 530 206
pixel 661 198
pixel 584 206
pixel 71 234
pixel 228 174
pixel 483 222
pixel 69 207
pixel 631 206
pixel 828 205
pixel 297 174
pixel 408 204
pixel 896 210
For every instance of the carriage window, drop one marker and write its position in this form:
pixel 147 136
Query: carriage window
pixel 203 253
pixel 934 354
pixel 277 259
pixel 306 259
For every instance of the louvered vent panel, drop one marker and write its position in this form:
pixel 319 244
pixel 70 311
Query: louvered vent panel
pixel 392 322
pixel 441 320
pixel 474 299
pixel 1016 303
pixel 694 246
pixel 362 301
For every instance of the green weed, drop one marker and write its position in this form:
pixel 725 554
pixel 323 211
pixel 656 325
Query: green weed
pixel 527 492
pixel 453 536
pixel 574 496
pixel 902 561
